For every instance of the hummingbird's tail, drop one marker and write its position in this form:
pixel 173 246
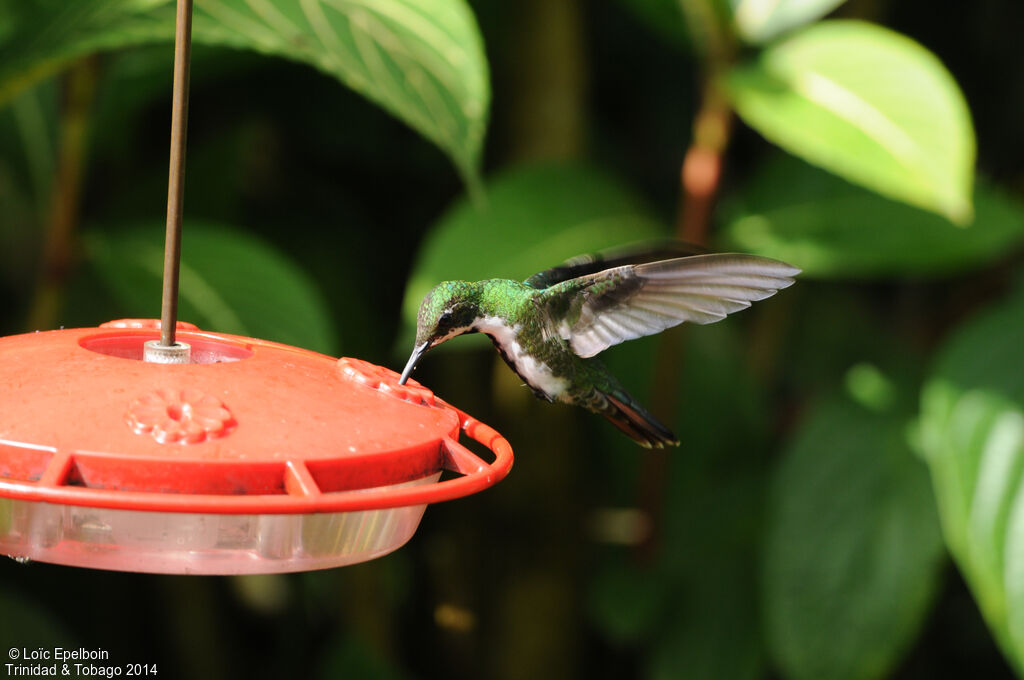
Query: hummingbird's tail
pixel 624 413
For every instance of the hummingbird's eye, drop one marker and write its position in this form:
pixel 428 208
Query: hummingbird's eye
pixel 446 318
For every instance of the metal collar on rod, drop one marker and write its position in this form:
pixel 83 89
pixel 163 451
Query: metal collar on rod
pixel 167 350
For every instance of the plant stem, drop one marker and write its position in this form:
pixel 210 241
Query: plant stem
pixel 700 179
pixel 702 166
pixel 78 91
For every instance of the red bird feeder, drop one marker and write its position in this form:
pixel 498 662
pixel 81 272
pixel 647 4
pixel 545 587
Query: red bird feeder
pixel 255 457
pixel 153 446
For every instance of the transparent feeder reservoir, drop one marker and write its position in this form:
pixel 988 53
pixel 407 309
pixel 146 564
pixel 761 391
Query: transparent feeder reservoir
pixel 254 457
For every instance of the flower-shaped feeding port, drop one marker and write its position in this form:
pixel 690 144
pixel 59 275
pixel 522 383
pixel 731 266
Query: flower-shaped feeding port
pixel 180 416
pixel 255 457
pixel 385 380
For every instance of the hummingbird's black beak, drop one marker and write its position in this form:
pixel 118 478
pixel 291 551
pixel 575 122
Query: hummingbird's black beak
pixel 414 359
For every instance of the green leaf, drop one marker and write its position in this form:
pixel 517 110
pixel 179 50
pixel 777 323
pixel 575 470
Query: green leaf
pixel 34 113
pixel 48 34
pixel 868 104
pixel 972 433
pixel 832 229
pixel 535 217
pixel 663 17
pixel 420 60
pixel 717 638
pixel 761 20
pixel 712 630
pixel 231 282
pixel 853 549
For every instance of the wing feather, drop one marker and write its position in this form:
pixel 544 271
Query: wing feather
pixel 632 301
pixel 636 253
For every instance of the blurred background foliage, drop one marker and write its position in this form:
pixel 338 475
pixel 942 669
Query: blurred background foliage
pixel 847 501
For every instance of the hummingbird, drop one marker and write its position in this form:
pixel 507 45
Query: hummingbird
pixel 549 327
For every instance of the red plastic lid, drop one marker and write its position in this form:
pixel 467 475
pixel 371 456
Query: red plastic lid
pixel 249 427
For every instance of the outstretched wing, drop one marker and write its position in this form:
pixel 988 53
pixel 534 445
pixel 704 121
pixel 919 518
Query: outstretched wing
pixel 582 265
pixel 603 309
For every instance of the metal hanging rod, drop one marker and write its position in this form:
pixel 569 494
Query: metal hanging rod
pixel 176 174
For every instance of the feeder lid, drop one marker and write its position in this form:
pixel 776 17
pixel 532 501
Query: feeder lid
pixel 250 426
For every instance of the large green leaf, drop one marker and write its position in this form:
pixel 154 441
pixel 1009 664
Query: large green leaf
pixel 45 35
pixel 711 630
pixel 830 228
pixel 762 20
pixel 870 105
pixel 420 60
pixel 230 282
pixel 972 432
pixel 853 548
pixel 535 217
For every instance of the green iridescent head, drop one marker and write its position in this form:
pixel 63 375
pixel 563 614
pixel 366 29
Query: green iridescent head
pixel 449 307
pixel 446 311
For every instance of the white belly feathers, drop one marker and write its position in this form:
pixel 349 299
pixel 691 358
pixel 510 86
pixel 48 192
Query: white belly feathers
pixel 536 373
